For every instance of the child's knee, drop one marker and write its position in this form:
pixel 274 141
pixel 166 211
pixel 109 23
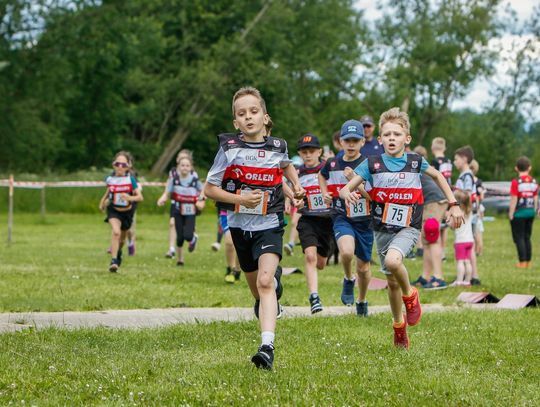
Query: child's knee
pixel 321 262
pixel 347 255
pixel 311 258
pixel 265 280
pixel 362 266
pixel 116 232
pixel 393 261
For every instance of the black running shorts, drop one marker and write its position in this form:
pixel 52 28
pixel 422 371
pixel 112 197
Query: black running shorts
pixel 126 218
pixel 316 231
pixel 251 245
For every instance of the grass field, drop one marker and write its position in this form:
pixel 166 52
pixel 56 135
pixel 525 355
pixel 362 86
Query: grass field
pixel 466 358
pixel 61 264
pixel 456 358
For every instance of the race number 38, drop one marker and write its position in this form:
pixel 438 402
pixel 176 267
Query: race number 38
pixel 397 215
pixel 316 202
pixel 360 208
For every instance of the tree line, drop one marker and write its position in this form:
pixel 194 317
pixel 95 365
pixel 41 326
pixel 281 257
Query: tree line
pixel 82 79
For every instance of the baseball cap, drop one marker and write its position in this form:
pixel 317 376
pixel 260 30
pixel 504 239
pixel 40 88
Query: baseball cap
pixel 431 230
pixel 352 129
pixel 367 120
pixel 308 140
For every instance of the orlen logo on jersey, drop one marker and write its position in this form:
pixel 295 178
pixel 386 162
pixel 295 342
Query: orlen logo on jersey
pixel 260 177
pixel 400 196
pixel 381 195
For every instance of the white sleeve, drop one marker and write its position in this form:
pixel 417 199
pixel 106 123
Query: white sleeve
pixel 216 172
pixel 285 161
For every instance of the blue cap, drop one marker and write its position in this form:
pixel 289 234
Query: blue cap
pixel 352 129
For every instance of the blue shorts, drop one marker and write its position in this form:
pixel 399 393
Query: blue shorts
pixel 363 238
pixel 223 222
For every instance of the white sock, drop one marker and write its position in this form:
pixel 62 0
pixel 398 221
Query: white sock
pixel 291 243
pixel 172 249
pixel 130 242
pixel 267 338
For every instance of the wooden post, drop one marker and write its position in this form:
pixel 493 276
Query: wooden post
pixel 10 210
pixel 43 202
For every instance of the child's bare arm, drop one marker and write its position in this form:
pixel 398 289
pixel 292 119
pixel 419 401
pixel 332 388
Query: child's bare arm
pixel 290 173
pixel 454 213
pixel 249 200
pixel 103 200
pixel 512 206
pixel 346 192
pixel 324 189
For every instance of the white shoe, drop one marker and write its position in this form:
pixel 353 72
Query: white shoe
pixel 216 246
pixel 288 249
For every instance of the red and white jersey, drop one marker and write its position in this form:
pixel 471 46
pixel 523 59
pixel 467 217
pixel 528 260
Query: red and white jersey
pixel 525 188
pixel 184 190
pixel 398 191
pixel 117 186
pixel 313 201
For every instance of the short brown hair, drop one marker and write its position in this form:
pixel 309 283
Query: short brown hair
pixel 523 163
pixel 466 152
pixel 248 90
pixel 394 115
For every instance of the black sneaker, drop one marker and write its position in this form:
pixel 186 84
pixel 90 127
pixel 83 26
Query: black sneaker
pixel 419 252
pixel 362 309
pixel 264 358
pixel 420 282
pixel 258 303
pixel 411 255
pixel 475 281
pixel 315 302
pixel 119 257
pixel 237 274
pixel 113 267
pixel 279 288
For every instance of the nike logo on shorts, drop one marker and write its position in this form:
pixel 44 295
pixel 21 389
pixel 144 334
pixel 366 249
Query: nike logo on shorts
pixel 266 247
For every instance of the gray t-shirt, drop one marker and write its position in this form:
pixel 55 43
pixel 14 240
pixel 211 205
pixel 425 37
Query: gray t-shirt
pixel 430 190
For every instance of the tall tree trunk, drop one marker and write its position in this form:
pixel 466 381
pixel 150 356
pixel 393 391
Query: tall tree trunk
pixel 196 110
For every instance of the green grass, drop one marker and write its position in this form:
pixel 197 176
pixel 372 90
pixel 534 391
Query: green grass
pixel 456 358
pixel 61 264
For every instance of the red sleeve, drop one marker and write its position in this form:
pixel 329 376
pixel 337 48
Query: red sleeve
pixel 514 188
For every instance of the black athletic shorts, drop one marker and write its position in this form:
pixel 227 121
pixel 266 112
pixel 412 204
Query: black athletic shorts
pixel 251 245
pixel 126 218
pixel 316 231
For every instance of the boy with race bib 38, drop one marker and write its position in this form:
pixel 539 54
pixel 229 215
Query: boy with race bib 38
pixel 396 210
pixel 315 224
pixel 351 220
pixel 247 178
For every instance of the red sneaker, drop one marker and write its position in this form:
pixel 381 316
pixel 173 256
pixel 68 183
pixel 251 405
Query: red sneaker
pixel 413 308
pixel 401 340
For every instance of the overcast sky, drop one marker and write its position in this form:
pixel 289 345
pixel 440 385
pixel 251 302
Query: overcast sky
pixel 479 93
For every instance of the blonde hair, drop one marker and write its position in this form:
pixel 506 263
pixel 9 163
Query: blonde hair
pixel 474 166
pixel 438 143
pixel 184 153
pixel 248 90
pixel 421 150
pixel 187 158
pixel 464 199
pixel 127 155
pixel 394 115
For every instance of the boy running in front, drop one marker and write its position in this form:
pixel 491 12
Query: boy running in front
pixel 246 178
pixel 315 224
pixel 351 222
pixel 396 209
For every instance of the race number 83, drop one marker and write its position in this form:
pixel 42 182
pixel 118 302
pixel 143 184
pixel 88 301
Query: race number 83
pixel 360 208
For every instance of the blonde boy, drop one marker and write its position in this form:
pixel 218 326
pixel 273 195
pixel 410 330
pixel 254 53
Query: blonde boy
pixel 396 207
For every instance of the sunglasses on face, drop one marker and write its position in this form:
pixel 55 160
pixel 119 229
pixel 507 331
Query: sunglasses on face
pixel 121 165
pixel 367 126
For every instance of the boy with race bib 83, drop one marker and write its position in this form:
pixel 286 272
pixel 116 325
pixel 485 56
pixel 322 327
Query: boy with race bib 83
pixel 351 220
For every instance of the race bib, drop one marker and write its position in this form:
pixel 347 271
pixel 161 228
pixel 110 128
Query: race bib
pixel 316 202
pixel 360 208
pixel 397 215
pixel 187 209
pixel 260 209
pixel 119 201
